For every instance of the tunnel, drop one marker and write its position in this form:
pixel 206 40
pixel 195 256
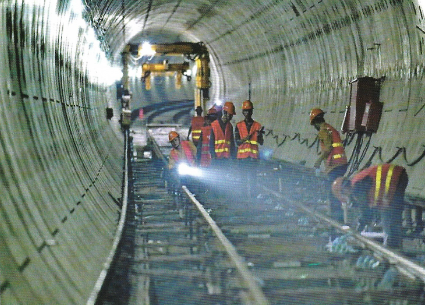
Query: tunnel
pixel 61 158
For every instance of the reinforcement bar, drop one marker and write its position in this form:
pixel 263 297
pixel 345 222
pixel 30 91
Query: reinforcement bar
pixel 255 292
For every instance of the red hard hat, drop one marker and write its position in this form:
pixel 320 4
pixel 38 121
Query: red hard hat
pixel 314 113
pixel 172 135
pixel 337 189
pixel 229 107
pixel 247 105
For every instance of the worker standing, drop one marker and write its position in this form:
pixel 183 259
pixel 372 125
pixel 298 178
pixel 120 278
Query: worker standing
pixel 203 149
pixel 195 127
pixel 222 141
pixel 332 153
pixel 248 135
pixel 222 149
pixel 181 152
pixel 380 187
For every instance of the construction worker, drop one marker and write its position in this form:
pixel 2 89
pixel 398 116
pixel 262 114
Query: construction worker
pixel 222 142
pixel 380 187
pixel 203 150
pixel 248 135
pixel 222 150
pixel 182 152
pixel 195 127
pixel 332 153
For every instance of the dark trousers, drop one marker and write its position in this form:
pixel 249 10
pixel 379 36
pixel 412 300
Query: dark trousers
pixel 247 169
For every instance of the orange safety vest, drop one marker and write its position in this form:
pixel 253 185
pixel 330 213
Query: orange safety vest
pixel 197 123
pixel 385 180
pixel 187 152
pixel 222 141
pixel 337 155
pixel 205 148
pixel 248 149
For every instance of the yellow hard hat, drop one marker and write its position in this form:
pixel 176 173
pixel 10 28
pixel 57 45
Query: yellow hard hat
pixel 229 107
pixel 172 135
pixel 247 105
pixel 314 113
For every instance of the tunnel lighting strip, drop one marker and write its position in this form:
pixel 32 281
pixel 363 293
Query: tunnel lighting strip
pixel 255 291
pixel 406 265
pixel 99 283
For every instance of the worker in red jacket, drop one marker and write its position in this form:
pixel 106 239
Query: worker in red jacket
pixel 332 153
pixel 248 136
pixel 181 152
pixel 195 127
pixel 380 187
pixel 203 149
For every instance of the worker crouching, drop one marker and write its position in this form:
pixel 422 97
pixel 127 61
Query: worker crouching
pixel 183 153
pixel 382 188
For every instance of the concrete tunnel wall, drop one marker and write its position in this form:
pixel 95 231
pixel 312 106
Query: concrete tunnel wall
pixel 61 160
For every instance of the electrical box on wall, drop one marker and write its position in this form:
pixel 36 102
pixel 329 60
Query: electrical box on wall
pixel 364 111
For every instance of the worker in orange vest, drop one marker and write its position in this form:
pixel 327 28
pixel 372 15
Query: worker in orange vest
pixel 222 150
pixel 380 187
pixel 195 127
pixel 332 153
pixel 203 149
pixel 248 135
pixel 222 142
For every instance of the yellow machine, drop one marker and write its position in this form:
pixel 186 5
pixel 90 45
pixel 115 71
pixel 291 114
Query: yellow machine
pixel 193 51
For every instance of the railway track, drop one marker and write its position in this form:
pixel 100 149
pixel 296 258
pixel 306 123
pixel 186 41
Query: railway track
pixel 284 249
pixel 220 247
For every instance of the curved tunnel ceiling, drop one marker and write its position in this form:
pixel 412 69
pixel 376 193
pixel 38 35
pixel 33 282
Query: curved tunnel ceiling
pixel 61 159
pixel 291 56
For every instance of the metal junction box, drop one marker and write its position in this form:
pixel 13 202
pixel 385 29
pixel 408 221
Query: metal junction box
pixel 364 111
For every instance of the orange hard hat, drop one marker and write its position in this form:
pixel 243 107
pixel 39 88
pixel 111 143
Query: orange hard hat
pixel 172 135
pixel 247 105
pixel 229 107
pixel 337 189
pixel 314 113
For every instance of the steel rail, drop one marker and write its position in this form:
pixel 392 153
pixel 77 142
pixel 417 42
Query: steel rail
pixel 156 148
pixel 255 291
pixel 118 233
pixel 405 264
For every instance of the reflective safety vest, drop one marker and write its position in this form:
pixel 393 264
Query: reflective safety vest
pixel 197 123
pixel 385 180
pixel 189 157
pixel 249 148
pixel 337 155
pixel 222 141
pixel 205 149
